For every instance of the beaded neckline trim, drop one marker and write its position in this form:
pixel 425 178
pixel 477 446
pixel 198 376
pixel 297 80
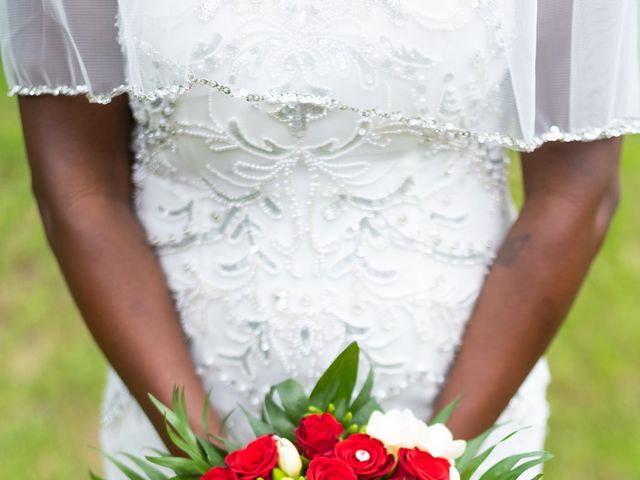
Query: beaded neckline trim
pixel 615 129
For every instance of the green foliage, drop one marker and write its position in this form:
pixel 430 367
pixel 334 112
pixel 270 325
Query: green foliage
pixel 512 467
pixel 473 446
pixel 293 398
pixel 337 382
pixel 446 412
pixel 151 472
pixel 334 390
pixel 278 417
pixel 509 468
pixel 258 426
pixel 284 406
pixel 201 453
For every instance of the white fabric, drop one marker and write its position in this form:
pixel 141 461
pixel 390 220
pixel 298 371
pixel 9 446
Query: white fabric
pixel 61 44
pixel 285 232
pixel 545 70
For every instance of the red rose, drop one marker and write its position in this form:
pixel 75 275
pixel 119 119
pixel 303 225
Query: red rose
pixel 415 464
pixel 219 473
pixel 317 434
pixel 257 459
pixel 367 456
pixel 329 468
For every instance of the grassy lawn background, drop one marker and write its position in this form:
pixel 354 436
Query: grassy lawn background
pixel 51 374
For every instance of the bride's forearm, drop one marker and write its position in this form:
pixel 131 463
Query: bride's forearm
pixel 80 164
pixel 571 193
pixel 122 295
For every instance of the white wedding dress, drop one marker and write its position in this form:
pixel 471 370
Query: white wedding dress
pixel 368 208
pixel 287 230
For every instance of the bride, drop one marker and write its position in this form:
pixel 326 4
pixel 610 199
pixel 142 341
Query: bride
pixel 236 189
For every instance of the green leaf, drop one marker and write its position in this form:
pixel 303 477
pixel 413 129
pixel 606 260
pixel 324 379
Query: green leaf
pixel 205 412
pixel 225 419
pixel 150 471
pixel 520 469
pixel 361 417
pixel 185 477
pixel 176 403
pixel 229 445
pixel 338 380
pixel 178 429
pixel 473 446
pixel 263 412
pixel 176 418
pixel 444 414
pixel 258 426
pixel 506 468
pixel 475 462
pixel 278 418
pixel 193 451
pixel 131 475
pixel 180 465
pixel 365 393
pixel 215 456
pixel 340 408
pixel 160 453
pixel 93 476
pixel 293 398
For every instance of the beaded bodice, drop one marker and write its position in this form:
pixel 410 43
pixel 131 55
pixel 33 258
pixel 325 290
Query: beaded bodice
pixel 286 230
pixel 442 64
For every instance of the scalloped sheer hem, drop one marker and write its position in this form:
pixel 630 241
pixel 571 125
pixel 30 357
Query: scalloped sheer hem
pixel 613 129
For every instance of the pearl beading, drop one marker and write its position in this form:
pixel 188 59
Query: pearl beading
pixel 615 128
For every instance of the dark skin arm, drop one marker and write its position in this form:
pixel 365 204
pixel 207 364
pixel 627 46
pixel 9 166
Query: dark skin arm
pixel 80 165
pixel 571 193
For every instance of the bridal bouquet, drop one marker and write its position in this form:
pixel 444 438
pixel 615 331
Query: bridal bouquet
pixel 330 434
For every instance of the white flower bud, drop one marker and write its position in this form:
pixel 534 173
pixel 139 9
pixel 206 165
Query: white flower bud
pixel 288 457
pixel 454 474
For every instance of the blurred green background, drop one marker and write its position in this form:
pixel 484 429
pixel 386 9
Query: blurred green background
pixel 51 373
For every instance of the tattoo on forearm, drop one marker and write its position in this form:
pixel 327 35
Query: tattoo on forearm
pixel 511 248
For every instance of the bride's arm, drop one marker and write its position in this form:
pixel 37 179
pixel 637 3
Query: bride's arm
pixel 571 192
pixel 80 165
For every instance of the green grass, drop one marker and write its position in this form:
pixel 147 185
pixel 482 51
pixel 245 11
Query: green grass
pixel 51 373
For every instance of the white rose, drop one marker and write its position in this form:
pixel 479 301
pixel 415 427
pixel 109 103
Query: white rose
pixel 396 428
pixel 400 428
pixel 288 457
pixel 438 441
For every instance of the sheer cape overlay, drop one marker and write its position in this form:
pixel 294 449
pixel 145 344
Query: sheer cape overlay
pixel 513 73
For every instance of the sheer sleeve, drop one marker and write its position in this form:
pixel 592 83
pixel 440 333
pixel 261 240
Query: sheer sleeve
pixel 61 47
pixel 513 73
pixel 586 76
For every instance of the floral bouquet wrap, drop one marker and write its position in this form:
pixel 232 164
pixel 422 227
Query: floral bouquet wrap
pixel 330 434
